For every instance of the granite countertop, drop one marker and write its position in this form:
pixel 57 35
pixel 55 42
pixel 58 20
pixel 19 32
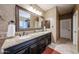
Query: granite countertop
pixel 17 39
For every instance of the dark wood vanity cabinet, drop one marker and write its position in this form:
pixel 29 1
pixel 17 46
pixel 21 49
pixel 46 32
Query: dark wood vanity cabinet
pixel 34 46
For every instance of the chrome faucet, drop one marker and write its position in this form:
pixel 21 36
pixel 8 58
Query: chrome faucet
pixel 23 33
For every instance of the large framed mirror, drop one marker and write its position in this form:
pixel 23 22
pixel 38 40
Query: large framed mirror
pixel 26 20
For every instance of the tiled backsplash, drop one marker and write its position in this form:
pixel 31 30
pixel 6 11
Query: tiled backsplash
pixel 21 33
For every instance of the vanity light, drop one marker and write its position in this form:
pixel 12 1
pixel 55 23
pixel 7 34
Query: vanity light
pixel 39 13
pixel 30 8
pixel 34 10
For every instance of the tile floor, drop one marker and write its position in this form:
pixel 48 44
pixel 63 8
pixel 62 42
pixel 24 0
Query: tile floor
pixel 64 46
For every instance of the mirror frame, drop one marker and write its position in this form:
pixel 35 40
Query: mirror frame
pixel 17 19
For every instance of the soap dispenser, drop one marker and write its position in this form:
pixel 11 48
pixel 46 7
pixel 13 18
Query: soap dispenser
pixel 44 28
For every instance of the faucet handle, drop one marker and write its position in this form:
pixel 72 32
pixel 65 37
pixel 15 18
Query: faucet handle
pixel 23 33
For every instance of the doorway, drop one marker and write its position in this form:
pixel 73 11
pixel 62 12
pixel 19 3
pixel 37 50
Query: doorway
pixel 65 28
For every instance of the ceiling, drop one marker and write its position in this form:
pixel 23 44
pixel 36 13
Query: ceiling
pixel 62 8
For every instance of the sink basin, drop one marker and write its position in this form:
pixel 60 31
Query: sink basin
pixel 24 37
pixel 31 35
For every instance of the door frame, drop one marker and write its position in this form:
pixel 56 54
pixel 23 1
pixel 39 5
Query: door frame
pixel 75 13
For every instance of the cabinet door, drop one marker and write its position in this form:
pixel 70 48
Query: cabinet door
pixel 42 45
pixel 46 39
pixel 34 49
pixel 49 38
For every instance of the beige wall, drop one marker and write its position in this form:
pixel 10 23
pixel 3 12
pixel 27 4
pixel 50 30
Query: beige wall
pixel 52 15
pixel 8 13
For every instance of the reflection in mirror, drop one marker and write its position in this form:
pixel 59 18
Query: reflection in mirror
pixel 26 20
pixel 35 22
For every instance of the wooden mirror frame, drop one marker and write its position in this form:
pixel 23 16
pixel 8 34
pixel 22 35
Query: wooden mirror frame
pixel 17 19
